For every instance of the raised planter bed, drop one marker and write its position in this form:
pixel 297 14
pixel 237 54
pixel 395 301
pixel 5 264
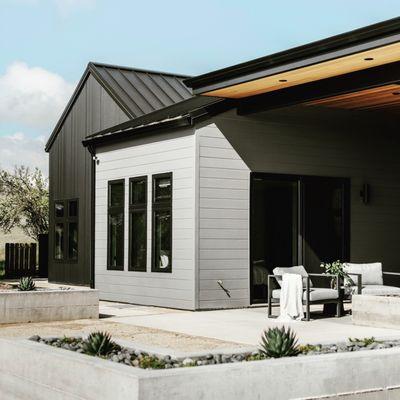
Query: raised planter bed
pixel 62 374
pixel 380 311
pixel 48 305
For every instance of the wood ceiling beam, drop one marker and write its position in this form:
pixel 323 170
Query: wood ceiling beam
pixel 343 84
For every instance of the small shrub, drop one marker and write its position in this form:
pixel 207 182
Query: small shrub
pixel 26 284
pixel 150 362
pixel 255 357
pixel 99 344
pixel 68 340
pixel 365 341
pixel 279 342
pixel 308 347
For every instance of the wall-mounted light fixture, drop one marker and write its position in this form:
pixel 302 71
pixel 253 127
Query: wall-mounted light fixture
pixel 365 193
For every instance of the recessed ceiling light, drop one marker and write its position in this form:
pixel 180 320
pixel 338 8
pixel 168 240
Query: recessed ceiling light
pixel 368 58
pixel 282 80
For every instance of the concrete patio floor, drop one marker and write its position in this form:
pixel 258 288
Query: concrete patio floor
pixel 238 325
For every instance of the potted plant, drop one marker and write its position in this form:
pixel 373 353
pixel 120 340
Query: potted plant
pixel 337 268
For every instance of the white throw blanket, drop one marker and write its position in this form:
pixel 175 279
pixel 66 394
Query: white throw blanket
pixel 291 305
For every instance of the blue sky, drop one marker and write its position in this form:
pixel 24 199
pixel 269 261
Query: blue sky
pixel 46 44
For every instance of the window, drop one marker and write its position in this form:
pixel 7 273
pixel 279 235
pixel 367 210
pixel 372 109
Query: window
pixel 162 223
pixel 138 224
pixel 72 222
pixel 59 241
pixel 66 230
pixel 116 201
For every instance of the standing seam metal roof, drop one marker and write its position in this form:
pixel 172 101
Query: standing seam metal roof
pixel 138 92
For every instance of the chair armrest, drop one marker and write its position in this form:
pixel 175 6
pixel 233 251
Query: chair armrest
pixel 326 275
pixel 391 273
pixel 359 281
pixel 274 276
pixel 337 277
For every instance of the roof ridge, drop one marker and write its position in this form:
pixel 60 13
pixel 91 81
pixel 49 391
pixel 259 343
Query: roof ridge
pixel 149 71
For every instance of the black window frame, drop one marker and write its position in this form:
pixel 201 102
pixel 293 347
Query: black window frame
pixel 72 219
pixel 137 208
pixel 59 220
pixel 65 220
pixel 114 210
pixel 160 205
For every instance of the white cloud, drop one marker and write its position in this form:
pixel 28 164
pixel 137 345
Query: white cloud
pixel 17 149
pixel 32 96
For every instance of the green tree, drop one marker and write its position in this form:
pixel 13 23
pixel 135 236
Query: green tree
pixel 24 201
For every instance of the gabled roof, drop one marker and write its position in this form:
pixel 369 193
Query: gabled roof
pixel 138 92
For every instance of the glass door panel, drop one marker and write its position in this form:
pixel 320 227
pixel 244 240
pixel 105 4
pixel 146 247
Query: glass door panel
pixel 274 230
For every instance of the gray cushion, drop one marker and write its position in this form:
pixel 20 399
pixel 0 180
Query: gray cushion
pixel 379 290
pixel 316 294
pixel 298 269
pixel 371 274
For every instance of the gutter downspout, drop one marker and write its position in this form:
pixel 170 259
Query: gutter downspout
pixel 92 151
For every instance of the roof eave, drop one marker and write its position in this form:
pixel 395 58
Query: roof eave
pixel 385 32
pixel 176 123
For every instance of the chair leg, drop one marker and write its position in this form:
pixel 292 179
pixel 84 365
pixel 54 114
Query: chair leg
pixel 269 303
pixel 339 309
pixel 307 310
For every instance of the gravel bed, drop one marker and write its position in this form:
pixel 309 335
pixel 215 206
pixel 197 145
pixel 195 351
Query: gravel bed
pixel 145 360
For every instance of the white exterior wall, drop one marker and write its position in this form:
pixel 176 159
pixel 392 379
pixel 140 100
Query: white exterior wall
pixel 224 203
pixel 174 153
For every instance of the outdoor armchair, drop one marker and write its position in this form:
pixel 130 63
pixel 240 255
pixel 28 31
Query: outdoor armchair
pixel 369 279
pixel 311 295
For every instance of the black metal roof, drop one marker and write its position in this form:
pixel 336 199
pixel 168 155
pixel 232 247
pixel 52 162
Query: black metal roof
pixel 197 107
pixel 253 69
pixel 138 92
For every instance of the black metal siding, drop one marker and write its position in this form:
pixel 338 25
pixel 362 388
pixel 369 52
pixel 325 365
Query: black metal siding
pixel 70 172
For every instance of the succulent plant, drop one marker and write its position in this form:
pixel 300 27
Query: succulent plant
pixel 279 342
pixel 99 344
pixel 26 283
pixel 151 362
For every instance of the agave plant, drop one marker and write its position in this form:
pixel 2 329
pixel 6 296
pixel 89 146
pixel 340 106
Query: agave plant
pixel 279 342
pixel 99 344
pixel 26 283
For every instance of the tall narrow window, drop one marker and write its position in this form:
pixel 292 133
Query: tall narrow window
pixel 72 222
pixel 116 201
pixel 137 223
pixel 59 215
pixel 162 223
pixel 66 230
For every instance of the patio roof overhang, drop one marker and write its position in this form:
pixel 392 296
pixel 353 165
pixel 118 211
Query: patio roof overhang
pixel 367 58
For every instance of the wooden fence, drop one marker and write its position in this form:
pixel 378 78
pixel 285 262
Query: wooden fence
pixel 20 260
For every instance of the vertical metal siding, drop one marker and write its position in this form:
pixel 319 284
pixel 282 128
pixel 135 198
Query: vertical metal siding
pixel 70 173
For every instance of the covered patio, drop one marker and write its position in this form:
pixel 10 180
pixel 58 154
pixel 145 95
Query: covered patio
pixel 317 127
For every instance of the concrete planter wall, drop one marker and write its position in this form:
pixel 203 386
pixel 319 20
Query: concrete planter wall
pixel 48 305
pixel 382 311
pixel 36 371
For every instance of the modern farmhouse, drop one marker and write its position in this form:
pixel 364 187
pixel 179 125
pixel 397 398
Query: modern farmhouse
pixel 186 192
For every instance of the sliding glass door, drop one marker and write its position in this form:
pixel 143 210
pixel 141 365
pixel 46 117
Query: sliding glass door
pixel 295 220
pixel 274 229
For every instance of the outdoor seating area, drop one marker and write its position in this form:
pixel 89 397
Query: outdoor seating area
pixel 352 279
